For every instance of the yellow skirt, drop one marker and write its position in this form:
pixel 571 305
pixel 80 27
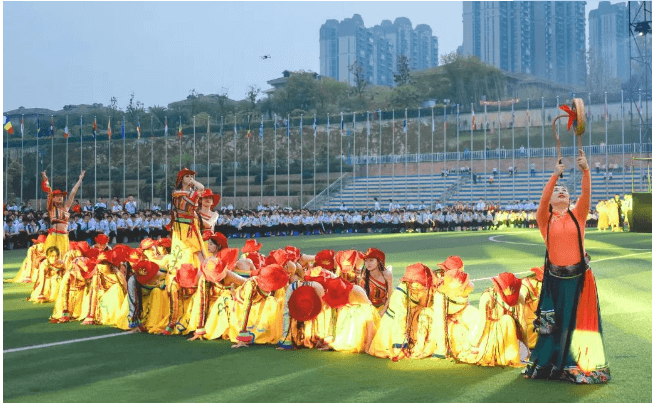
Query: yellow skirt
pixel 265 319
pixel 60 241
pixel 460 325
pixel 25 274
pixel 184 247
pixel 156 310
pixel 73 302
pixel 218 320
pixel 499 345
pixel 603 221
pixel 49 285
pixel 355 328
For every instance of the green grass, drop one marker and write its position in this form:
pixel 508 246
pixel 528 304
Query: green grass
pixel 149 368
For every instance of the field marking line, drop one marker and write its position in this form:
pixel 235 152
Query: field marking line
pixel 492 238
pixel 26 348
pixel 600 260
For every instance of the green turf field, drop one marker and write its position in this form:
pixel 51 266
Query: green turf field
pixel 146 368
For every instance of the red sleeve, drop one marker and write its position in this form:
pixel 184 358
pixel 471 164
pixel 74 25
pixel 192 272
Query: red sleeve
pixel 45 186
pixel 584 201
pixel 543 212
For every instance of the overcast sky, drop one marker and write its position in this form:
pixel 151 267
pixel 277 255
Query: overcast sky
pixel 59 53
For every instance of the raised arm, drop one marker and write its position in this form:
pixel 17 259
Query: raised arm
pixel 584 201
pixel 543 213
pixel 198 186
pixel 73 192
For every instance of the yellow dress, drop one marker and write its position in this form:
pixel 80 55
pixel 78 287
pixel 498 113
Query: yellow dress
pixel 355 328
pixel 612 213
pixel 71 294
pixel 528 302
pixel 212 309
pixel 308 334
pixel 603 219
pixel 393 338
pixel 47 282
pixel 181 303
pixel 265 321
pixel 495 339
pixel 104 303
pixel 28 269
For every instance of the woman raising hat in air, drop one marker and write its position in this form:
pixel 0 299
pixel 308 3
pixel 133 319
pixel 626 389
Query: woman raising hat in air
pixel 59 214
pixel 570 345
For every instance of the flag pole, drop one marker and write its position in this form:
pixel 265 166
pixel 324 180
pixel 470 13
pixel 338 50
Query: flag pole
pixel 445 130
pixel 38 130
pixel 314 160
pixel 81 152
pixel 471 155
pixel 500 122
pixel 328 165
pixel 124 157
pixel 248 157
pixel 109 141
pixel 432 158
pixel 6 165
pixel 301 163
pixel 235 157
pixel 180 134
pixel 622 125
pixel 367 160
pixel 288 172
pixel 484 177
pixel 138 129
pixel 51 148
pixel 393 152
pixel 194 143
pixel 165 135
pixel 380 141
pixel 341 151
pixel 21 160
pixel 353 162
pixel 261 136
pixel 208 151
pixel 95 159
pixel 406 154
pixel 22 151
pixel 606 138
pixel 419 153
pixel 275 164
pixel 221 158
pixel 513 156
pixel 151 164
pixel 528 149
pixel 457 124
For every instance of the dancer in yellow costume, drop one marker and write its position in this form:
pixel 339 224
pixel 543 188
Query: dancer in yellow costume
pixel 528 302
pixel 29 268
pixel 461 317
pixel 259 308
pixel 104 302
pixel 187 244
pixel 58 213
pixel 603 218
pixel 74 286
pixel 613 214
pixel 50 271
pixel 405 328
pixel 495 340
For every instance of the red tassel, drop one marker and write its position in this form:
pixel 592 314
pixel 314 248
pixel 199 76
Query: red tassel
pixel 587 307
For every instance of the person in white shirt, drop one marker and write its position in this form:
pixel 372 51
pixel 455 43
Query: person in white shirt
pixel 131 206
pixel 100 204
pixel 376 204
pixel 116 208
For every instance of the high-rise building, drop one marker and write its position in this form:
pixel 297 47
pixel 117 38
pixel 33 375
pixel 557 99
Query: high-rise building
pixel 608 39
pixel 542 38
pixel 376 49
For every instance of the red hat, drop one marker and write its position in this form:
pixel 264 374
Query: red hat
pixel 102 239
pixel 452 262
pixel 272 277
pixel 509 287
pixel 257 258
pixel 145 271
pixel 187 276
pixel 135 255
pixel 91 253
pixel 120 253
pixel 374 253
pixel 418 273
pixel 456 283
pixel 346 260
pixel 214 269
pixel 165 242
pixel 83 247
pixel 229 256
pixel 218 238
pixel 41 239
pixel 538 272
pixel 294 253
pixel 325 259
pixel 72 245
pixel 251 245
pixel 279 257
pixel 182 174
pixel 85 265
pixel 209 194
pixel 337 292
pixel 104 256
pixel 59 192
pixel 304 304
pixel 147 243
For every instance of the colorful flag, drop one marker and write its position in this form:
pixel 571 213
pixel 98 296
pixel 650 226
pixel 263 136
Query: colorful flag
pixel 235 129
pixel 38 127
pixel 138 130
pixel 22 127
pixel 301 126
pixel 261 131
pixel 94 127
pixel 108 129
pixel 513 116
pixel 208 126
pixel 328 124
pixel 7 125
pixel 472 118
pixel 288 127
pixel 368 126
pixel 180 132
pixel 606 113
pixel 341 124
pixel 432 113
pixel 66 132
pixel 165 130
pixel 314 125
pixel 122 129
pixel 51 126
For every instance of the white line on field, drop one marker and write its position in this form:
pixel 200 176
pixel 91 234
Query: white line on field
pixel 592 261
pixel 493 238
pixel 64 342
